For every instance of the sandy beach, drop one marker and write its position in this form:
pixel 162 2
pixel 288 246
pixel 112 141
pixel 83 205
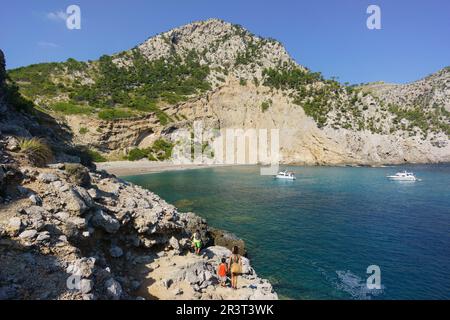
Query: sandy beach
pixel 127 168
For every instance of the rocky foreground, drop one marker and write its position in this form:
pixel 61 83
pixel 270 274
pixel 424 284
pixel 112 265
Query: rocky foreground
pixel 72 233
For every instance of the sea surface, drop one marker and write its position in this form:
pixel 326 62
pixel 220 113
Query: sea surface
pixel 315 237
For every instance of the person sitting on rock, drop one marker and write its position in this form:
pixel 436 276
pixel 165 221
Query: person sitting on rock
pixel 222 271
pixel 235 266
pixel 197 242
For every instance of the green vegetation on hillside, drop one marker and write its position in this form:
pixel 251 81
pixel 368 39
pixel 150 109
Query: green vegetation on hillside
pixel 110 89
pixel 315 100
pixel 159 151
pixel 435 120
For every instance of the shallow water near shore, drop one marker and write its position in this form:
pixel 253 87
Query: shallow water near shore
pixel 314 238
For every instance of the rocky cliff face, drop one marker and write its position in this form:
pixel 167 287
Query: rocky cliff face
pixel 106 239
pixel 227 77
pixel 428 93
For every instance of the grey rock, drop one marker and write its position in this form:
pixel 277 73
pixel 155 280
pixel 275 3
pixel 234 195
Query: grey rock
pixel 106 222
pixel 35 199
pixel 79 222
pixel 48 177
pixel 83 267
pixel 28 234
pixel 174 243
pixel 59 166
pixel 74 202
pixel 63 216
pixel 34 210
pixel 57 184
pixel 86 285
pixel 15 224
pixel 82 192
pixel 94 193
pixel 113 289
pixel 43 236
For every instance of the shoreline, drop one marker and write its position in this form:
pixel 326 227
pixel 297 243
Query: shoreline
pixel 130 168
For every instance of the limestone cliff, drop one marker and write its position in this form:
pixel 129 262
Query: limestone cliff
pixel 228 77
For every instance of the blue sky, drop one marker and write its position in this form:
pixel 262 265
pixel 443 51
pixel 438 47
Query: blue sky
pixel 328 36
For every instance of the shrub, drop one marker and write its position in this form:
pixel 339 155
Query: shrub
pixel 96 156
pixel 114 114
pixel 162 148
pixel 83 130
pixel 68 108
pixel 265 105
pixel 36 150
pixel 137 154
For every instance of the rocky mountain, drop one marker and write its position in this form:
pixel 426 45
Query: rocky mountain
pixel 68 231
pixel 227 77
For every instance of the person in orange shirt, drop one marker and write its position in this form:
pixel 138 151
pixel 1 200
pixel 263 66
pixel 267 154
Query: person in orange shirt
pixel 222 271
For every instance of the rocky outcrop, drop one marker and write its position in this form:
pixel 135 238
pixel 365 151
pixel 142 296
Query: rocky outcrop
pixel 91 241
pixel 193 277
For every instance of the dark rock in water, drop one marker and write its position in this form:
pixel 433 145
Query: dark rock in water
pixel 227 239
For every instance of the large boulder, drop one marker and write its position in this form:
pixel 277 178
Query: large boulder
pixel 74 202
pixel 78 174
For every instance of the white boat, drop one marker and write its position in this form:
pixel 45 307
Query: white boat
pixel 285 175
pixel 403 176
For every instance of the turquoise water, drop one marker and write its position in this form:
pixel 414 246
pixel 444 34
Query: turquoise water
pixel 314 238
